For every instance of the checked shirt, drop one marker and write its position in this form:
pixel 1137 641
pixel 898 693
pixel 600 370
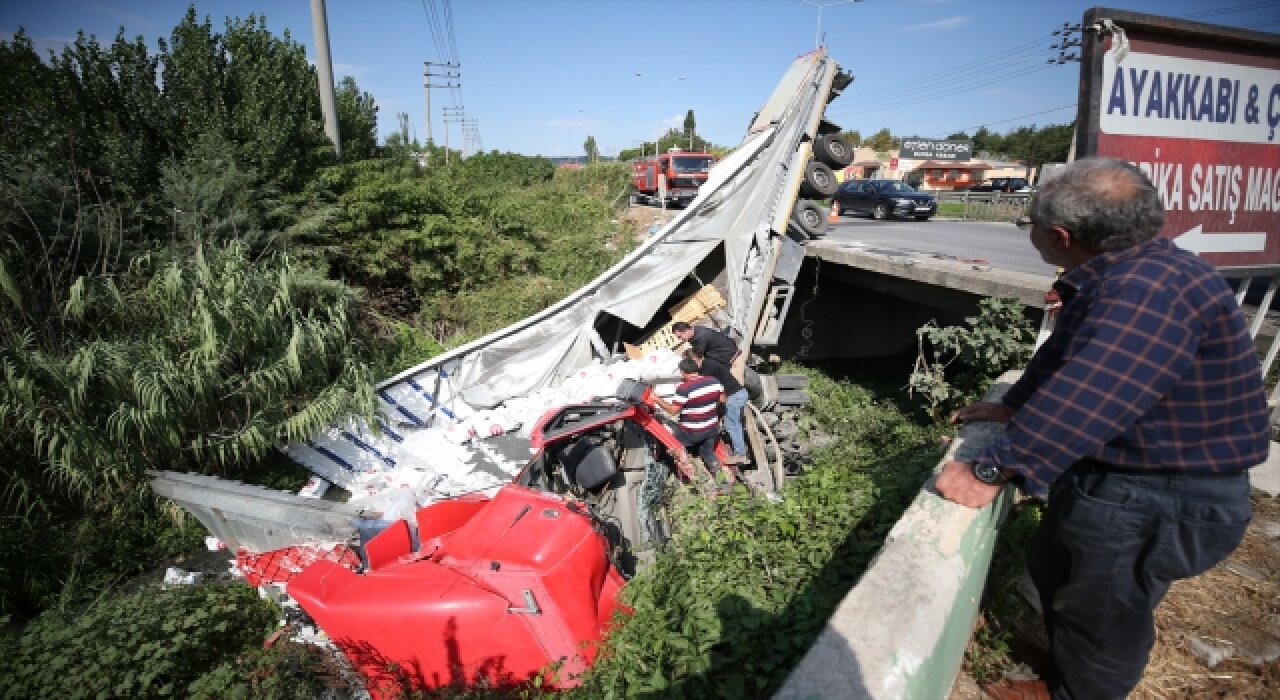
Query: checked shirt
pixel 1151 366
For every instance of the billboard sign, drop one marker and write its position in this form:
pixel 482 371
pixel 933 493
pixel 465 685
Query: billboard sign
pixel 935 149
pixel 1197 108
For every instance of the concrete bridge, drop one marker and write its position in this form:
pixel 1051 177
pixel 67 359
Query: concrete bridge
pixel 889 293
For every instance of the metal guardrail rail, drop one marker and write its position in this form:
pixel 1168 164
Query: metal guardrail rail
pixel 988 206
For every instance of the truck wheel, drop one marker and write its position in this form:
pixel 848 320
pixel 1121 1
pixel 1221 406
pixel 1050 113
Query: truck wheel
pixel 833 150
pixel 819 181
pixel 810 218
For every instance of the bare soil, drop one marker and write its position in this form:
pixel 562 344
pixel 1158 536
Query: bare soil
pixel 1231 612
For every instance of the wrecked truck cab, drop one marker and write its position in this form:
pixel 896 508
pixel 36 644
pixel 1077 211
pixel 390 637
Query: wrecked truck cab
pixel 498 591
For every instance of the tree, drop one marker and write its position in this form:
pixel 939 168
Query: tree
pixel 109 103
pixel 986 143
pixel 882 141
pixel 690 126
pixel 1053 143
pixel 958 136
pixel 357 121
pixel 853 137
pixel 194 75
pixel 273 103
pixel 593 152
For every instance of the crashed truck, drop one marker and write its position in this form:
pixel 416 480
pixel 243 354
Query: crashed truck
pixel 511 485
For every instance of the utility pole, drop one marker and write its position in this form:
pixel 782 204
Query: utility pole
pixel 1063 45
pixel 817 40
pixel 328 101
pixel 449 73
pixel 451 114
pixel 471 136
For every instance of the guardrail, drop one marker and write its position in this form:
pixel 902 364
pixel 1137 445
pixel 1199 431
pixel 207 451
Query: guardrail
pixel 987 206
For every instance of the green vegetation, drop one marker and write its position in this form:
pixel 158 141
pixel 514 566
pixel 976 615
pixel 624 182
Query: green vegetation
pixel 189 278
pixel 744 586
pixel 155 643
pixel 957 363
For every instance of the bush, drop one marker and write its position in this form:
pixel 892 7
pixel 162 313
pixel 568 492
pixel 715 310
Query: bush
pixel 151 643
pixel 744 586
pixel 957 363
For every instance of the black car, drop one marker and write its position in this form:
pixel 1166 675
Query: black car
pixel 1002 184
pixel 883 199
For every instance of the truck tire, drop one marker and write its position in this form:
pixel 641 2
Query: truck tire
pixel 752 382
pixel 833 150
pixel 819 181
pixel 810 218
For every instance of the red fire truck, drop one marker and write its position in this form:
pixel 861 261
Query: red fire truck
pixel 679 173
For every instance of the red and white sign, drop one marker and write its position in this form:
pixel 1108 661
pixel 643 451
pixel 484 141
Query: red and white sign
pixel 1204 125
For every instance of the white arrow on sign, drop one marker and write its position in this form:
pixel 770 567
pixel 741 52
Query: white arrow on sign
pixel 1201 242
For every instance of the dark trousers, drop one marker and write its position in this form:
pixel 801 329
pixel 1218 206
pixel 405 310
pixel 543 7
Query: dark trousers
pixel 705 443
pixel 1107 549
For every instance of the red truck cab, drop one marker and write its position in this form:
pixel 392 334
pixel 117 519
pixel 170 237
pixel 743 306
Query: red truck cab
pixel 683 171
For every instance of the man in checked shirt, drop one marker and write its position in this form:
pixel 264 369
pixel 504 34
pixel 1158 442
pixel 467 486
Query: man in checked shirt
pixel 1138 418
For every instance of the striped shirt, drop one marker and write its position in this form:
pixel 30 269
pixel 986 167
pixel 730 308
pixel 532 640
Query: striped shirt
pixel 699 401
pixel 1151 366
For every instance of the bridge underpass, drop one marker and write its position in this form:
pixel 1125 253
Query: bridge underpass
pixel 854 301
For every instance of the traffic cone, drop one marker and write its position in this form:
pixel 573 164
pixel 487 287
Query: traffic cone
pixel 834 216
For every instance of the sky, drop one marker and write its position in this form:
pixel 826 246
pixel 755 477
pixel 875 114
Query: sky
pixel 539 76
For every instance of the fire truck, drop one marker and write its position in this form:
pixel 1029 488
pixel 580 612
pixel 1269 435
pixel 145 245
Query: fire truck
pixel 674 176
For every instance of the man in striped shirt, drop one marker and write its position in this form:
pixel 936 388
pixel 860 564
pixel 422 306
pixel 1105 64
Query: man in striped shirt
pixel 1138 418
pixel 697 401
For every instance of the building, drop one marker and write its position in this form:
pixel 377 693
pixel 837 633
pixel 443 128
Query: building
pixel 930 175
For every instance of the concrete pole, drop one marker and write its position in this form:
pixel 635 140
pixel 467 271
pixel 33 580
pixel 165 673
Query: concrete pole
pixel 426 87
pixel 328 101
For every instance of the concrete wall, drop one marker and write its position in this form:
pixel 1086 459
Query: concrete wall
pixel 902 630
pixel 853 303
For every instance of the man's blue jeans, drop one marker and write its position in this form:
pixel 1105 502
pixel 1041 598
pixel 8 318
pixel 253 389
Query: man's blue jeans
pixel 733 408
pixel 1106 550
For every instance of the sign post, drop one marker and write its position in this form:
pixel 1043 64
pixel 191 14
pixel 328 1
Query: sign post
pixel 1197 108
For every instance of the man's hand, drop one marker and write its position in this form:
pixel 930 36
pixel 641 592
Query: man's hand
pixel 957 483
pixel 983 411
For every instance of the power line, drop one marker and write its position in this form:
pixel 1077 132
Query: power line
pixel 926 87
pixel 1014 52
pixel 1011 119
pixel 1229 10
pixel 915 98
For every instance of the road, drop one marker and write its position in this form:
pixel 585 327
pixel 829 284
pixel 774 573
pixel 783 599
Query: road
pixel 1001 244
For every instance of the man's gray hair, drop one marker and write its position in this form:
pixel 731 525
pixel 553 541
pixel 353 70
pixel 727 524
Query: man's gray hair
pixel 1106 204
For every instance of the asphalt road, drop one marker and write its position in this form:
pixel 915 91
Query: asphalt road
pixel 1001 244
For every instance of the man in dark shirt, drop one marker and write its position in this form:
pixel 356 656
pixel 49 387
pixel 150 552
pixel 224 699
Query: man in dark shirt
pixel 696 403
pixel 708 342
pixel 1139 418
